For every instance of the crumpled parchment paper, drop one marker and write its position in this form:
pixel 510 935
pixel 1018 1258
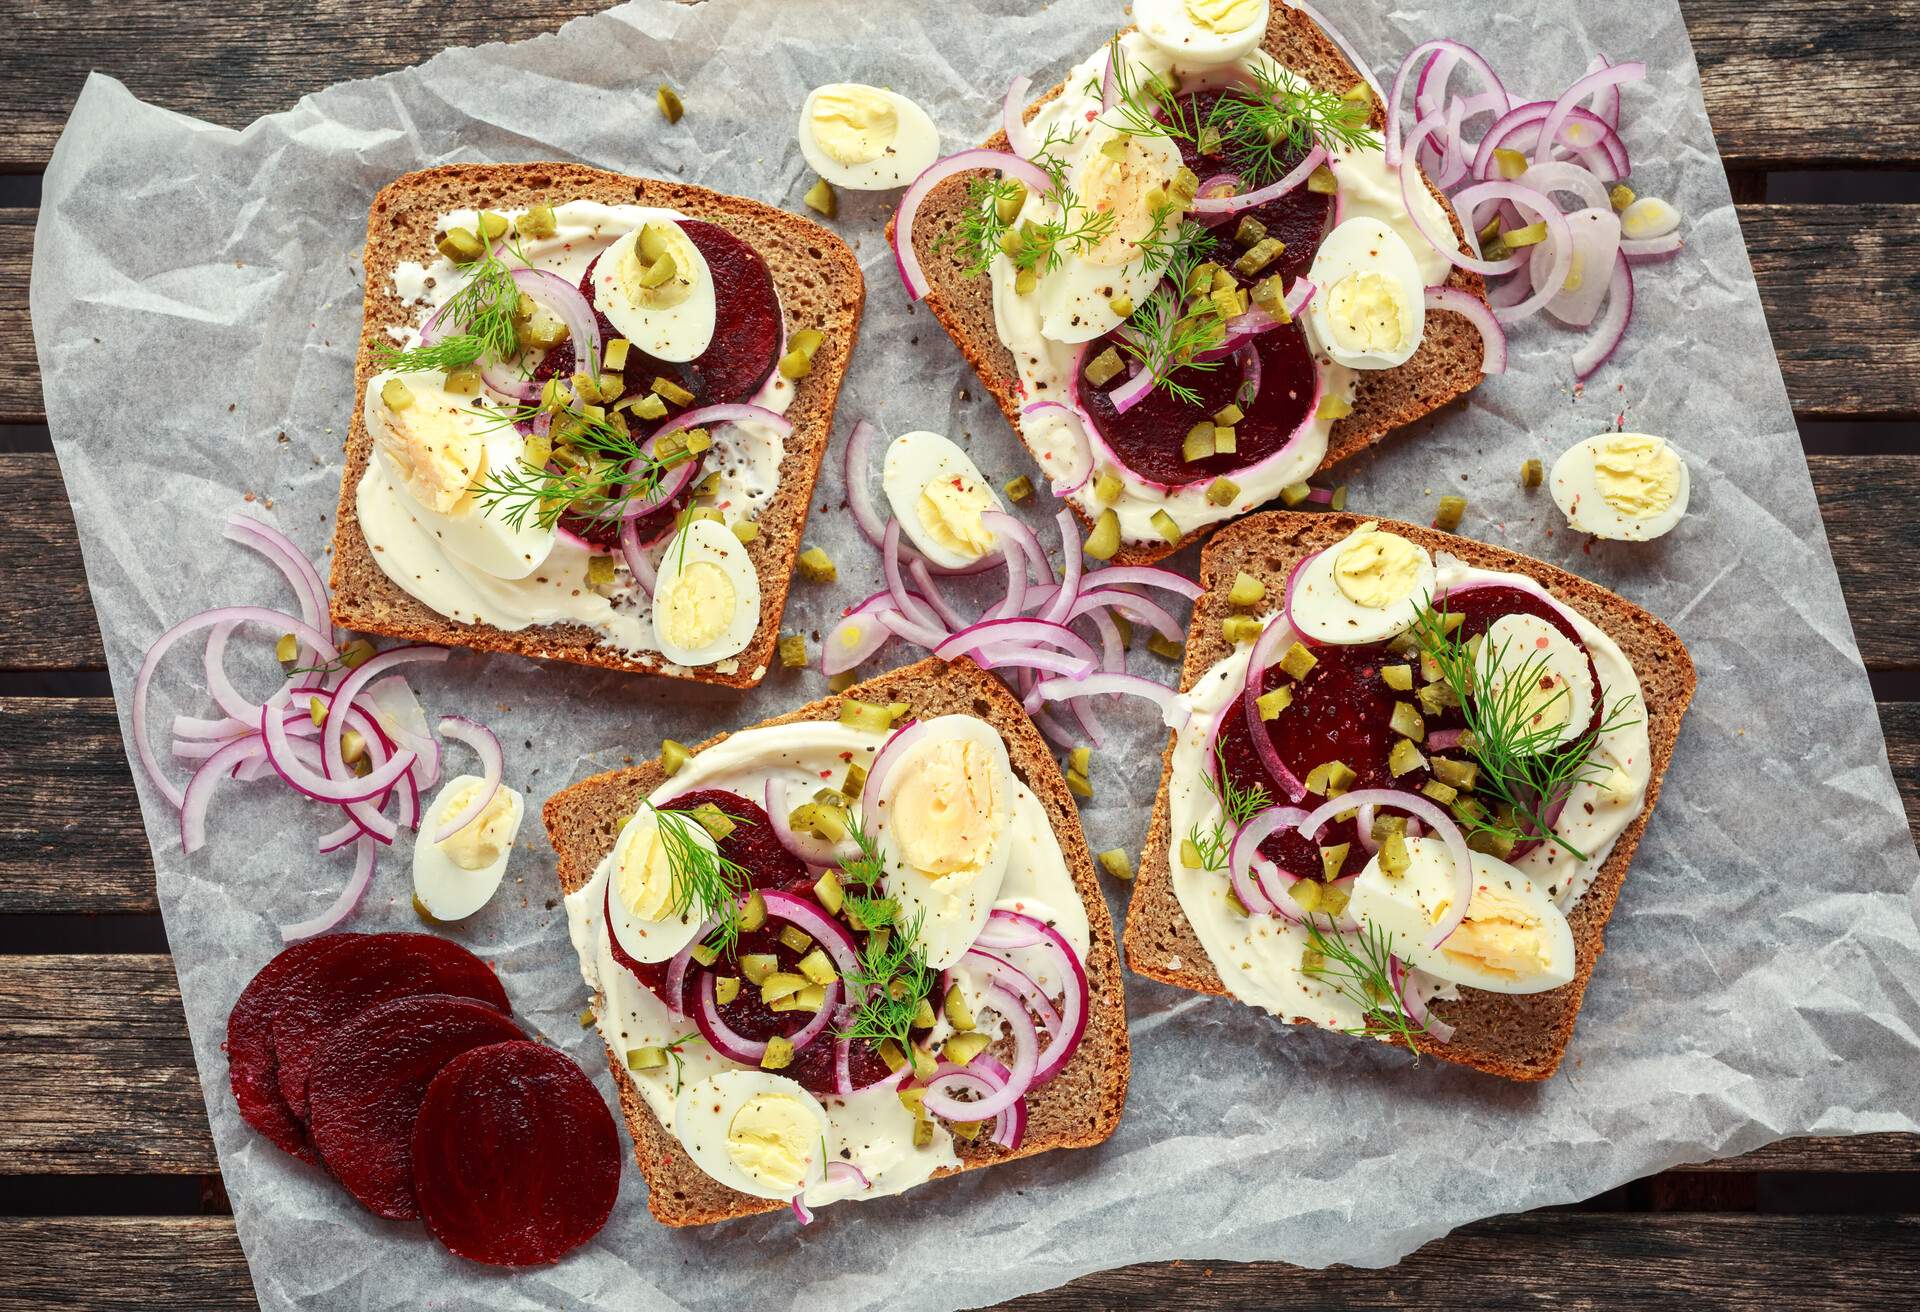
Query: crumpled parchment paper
pixel 1760 973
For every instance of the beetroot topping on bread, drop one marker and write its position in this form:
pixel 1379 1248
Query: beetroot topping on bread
pixel 845 952
pixel 564 373
pixel 1193 276
pixel 1411 777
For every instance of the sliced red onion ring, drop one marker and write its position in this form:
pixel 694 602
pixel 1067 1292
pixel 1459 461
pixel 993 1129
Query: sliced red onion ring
pixel 1561 175
pixel 1206 205
pixel 199 794
pixel 904 601
pixel 260 615
pixel 905 258
pixel 1650 248
pixel 492 766
pixel 1144 576
pixel 299 571
pixel 1413 1001
pixel 1250 374
pixel 920 635
pixel 1073 567
pixel 737 1047
pixel 1133 606
pixel 801 1211
pixel 930 592
pixel 343 905
pixel 1076 996
pixel 1493 338
pixel 859 463
pixel 1109 81
pixel 1132 392
pixel 1612 325
pixel 1017 981
pixel 813 919
pixel 1172 714
pixel 1013 120
pixel 1438 820
pixel 340 788
pixel 1606 101
pixel 1522 125
pixel 1026 1043
pixel 1596 244
pixel 842 1172
pixel 635 555
pixel 1010 1126
pixel 1467 201
pixel 1220 185
pixel 1614 75
pixel 583 329
pixel 1019 545
pixel 1022 631
pixel 1462 54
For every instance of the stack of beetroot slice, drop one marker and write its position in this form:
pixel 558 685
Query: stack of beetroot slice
pixel 391 1060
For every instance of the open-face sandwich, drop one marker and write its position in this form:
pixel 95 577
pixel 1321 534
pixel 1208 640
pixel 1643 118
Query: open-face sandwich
pixel 1413 775
pixel 1188 275
pixel 591 411
pixel 846 951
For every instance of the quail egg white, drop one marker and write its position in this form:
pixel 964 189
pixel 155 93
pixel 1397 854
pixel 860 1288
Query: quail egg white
pixel 651 915
pixel 654 286
pixel 706 600
pixel 1626 486
pixel 866 138
pixel 753 1131
pixel 1370 309
pixel 1367 587
pixel 938 496
pixel 455 878
pixel 1203 33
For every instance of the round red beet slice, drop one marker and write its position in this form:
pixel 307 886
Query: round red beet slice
pixel 366 970
pixel 515 1158
pixel 251 1067
pixel 368 1082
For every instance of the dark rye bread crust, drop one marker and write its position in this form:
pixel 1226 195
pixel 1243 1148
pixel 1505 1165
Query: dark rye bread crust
pixel 1077 1109
pixel 1519 1036
pixel 820 287
pixel 1446 365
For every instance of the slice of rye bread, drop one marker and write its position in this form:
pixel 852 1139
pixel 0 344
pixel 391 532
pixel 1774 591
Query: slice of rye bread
pixel 1446 365
pixel 820 287
pixel 1076 1109
pixel 1519 1036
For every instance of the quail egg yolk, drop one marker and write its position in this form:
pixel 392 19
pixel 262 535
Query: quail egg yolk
pixel 1638 475
pixel 854 124
pixel 643 879
pixel 1377 569
pixel 1500 935
pixel 1225 15
pixel 478 843
pixel 771 1138
pixel 1364 313
pixel 657 269
pixel 700 606
pixel 944 807
pixel 950 510
pixel 438 454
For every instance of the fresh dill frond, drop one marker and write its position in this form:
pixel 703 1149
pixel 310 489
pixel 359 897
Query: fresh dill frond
pixel 477 321
pixel 892 981
pixel 1073 229
pixel 1266 128
pixel 1172 241
pixel 679 1062
pixel 1162 335
pixel 601 468
pixel 1363 975
pixel 868 912
pixel 868 868
pixel 1522 766
pixel 1237 806
pixel 706 883
pixel 976 235
pixel 1146 106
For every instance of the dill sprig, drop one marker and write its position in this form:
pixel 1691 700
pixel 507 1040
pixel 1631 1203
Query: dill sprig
pixel 1039 245
pixel 601 468
pixel 477 321
pixel 892 981
pixel 1261 130
pixel 1162 334
pixel 706 883
pixel 679 1062
pixel 1522 767
pixel 1237 806
pixel 868 868
pixel 1363 974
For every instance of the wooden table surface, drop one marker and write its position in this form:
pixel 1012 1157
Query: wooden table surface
pixel 109 1192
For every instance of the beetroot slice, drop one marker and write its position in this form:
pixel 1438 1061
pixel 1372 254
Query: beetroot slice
pixel 364 1094
pixel 368 969
pixel 515 1158
pixel 251 1067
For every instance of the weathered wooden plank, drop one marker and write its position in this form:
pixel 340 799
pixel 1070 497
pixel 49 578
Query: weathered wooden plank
pixel 1839 283
pixel 19 383
pixel 96 1074
pixel 70 832
pixel 229 64
pixel 97 1078
pixel 1567 1260
pixel 49 620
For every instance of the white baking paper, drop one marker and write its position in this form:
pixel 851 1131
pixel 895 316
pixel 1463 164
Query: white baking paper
pixel 196 301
